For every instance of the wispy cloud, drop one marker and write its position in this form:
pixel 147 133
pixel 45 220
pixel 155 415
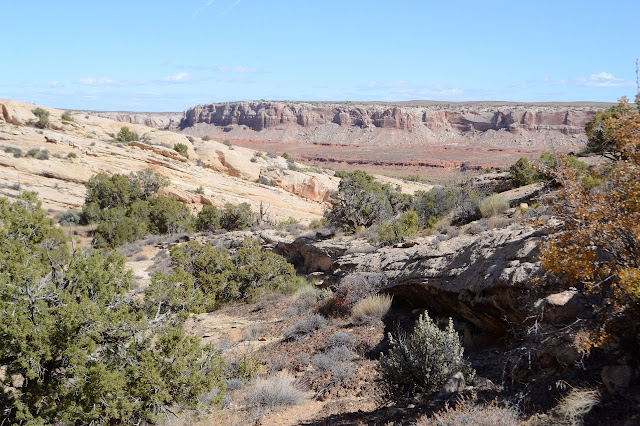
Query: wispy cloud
pixel 237 69
pixel 181 77
pixel 204 6
pixel 97 81
pixel 105 81
pixel 603 79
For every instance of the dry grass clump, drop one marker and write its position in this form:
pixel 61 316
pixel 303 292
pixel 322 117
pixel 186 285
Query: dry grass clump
pixel 305 327
pixel 340 339
pixel 469 414
pixel 493 205
pixel 324 361
pixel 275 391
pixel 576 404
pixel 371 308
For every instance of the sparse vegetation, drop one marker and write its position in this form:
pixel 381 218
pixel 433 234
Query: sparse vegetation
pixel 305 327
pixel 43 118
pixel 182 149
pixel 423 361
pixel 90 337
pixel 275 391
pixel 37 153
pixel 126 135
pixel 470 414
pixel 66 116
pixel 493 205
pixel 363 201
pixel 595 246
pixel 69 218
pixel 17 152
pixel 576 404
pixel 208 219
pixel 206 138
pixel 357 286
pixel 399 229
pixel 371 308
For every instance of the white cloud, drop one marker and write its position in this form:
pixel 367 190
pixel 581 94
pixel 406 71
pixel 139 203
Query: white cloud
pixel 237 69
pixel 603 79
pixel 178 78
pixel 204 6
pixel 93 81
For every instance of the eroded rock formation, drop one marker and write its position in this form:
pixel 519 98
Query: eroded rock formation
pixel 424 120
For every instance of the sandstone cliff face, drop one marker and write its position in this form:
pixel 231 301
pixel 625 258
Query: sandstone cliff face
pixel 438 119
pixel 158 120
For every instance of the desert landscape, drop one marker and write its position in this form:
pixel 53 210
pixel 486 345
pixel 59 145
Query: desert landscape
pixel 239 212
pixel 430 139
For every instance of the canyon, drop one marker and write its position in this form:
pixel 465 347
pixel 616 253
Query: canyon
pixel 417 137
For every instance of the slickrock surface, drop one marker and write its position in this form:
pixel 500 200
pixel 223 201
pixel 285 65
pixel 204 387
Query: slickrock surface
pixel 225 173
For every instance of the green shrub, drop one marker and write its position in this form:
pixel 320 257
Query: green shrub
pixel 493 205
pixel 237 217
pixel 266 181
pixel 199 190
pixel 69 218
pixel 260 271
pixel 206 138
pixel 285 156
pixel 43 118
pixel 37 153
pixel 66 116
pixel 212 270
pixel 126 135
pixel 208 219
pixel 88 352
pixel 17 152
pixel 363 201
pixel 462 199
pixel 227 142
pixel 317 223
pixel 191 139
pixel 406 226
pixel 182 149
pixel 169 216
pixel 72 155
pixel 253 273
pixel 105 192
pixel 523 173
pixel 424 361
pixel 149 181
pixel 115 228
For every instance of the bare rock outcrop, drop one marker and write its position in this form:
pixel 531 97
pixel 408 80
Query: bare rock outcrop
pixel 482 279
pixel 419 121
pixel 159 120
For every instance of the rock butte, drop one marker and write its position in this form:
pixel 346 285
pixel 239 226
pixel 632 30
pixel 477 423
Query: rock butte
pixel 417 137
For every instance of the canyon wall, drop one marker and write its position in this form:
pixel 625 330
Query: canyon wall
pixel 416 121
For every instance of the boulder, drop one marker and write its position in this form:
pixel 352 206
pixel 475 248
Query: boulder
pixel 617 378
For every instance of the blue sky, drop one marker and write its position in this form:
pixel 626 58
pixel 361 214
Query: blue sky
pixel 163 55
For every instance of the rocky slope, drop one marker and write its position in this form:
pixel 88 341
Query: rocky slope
pixel 83 147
